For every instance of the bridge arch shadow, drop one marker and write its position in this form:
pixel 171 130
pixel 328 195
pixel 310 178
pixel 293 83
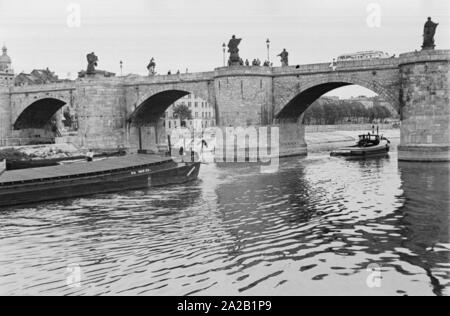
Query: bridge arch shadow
pixel 38 114
pixel 312 91
pixel 154 107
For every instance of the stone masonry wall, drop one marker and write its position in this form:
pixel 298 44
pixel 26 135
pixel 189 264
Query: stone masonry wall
pixel 101 112
pixel 5 113
pixel 425 79
pixel 245 99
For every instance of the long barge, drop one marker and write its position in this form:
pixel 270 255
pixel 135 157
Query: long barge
pixel 87 178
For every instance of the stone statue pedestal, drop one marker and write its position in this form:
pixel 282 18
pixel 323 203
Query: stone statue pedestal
pixel 234 60
pixel 97 74
pixel 432 47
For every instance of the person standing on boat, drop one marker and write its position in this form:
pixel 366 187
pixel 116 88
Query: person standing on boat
pixel 90 156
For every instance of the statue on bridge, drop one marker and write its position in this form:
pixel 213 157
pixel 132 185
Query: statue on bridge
pixel 234 51
pixel 92 60
pixel 151 67
pixel 428 34
pixel 284 58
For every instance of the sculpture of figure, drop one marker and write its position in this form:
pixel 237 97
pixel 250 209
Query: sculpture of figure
pixel 266 63
pixel 333 64
pixel 254 62
pixel 258 62
pixel 247 63
pixel 92 63
pixel 428 34
pixel 241 62
pixel 284 58
pixel 234 51
pixel 151 67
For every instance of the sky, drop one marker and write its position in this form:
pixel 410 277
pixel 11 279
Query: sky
pixel 189 34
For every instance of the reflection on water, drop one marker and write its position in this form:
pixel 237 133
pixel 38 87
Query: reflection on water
pixel 312 228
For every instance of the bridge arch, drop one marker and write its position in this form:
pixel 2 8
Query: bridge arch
pixel 153 107
pixel 38 114
pixel 146 127
pixel 317 87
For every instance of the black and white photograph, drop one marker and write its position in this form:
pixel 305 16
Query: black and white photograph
pixel 224 153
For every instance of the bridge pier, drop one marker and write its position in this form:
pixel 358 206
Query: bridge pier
pixel 5 114
pixel 425 106
pixel 292 138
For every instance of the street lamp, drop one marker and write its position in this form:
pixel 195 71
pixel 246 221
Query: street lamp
pixel 268 50
pixel 224 52
pixel 121 67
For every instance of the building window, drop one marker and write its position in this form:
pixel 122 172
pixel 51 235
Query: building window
pixel 196 104
pixel 196 114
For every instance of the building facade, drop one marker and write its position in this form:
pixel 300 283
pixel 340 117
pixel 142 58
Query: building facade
pixel 203 115
pixel 6 71
pixel 37 76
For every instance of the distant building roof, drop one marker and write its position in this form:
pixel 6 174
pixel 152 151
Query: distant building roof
pixel 4 58
pixel 37 76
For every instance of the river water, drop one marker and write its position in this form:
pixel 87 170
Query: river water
pixel 319 225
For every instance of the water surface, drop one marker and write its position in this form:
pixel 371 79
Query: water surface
pixel 312 228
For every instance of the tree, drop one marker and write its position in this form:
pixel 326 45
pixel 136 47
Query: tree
pixel 182 112
pixel 343 112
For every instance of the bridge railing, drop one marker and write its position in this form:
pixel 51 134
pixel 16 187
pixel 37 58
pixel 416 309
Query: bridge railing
pixel 340 65
pixel 199 76
pixel 43 87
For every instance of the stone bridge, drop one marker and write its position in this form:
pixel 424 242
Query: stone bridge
pixel 127 111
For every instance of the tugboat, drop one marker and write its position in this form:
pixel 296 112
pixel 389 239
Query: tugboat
pixel 369 145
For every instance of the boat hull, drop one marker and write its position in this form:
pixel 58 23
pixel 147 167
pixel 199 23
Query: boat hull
pixel 57 189
pixel 362 152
